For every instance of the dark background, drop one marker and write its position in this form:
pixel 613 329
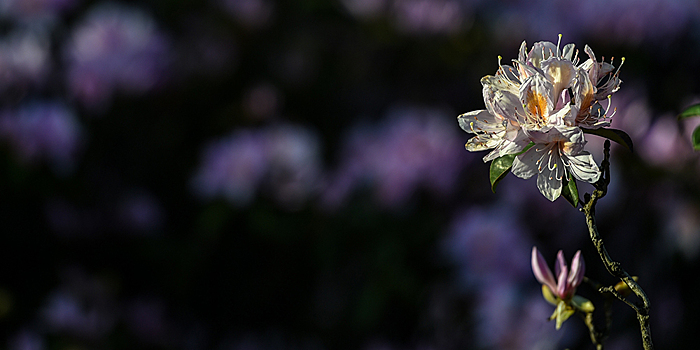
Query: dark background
pixel 259 174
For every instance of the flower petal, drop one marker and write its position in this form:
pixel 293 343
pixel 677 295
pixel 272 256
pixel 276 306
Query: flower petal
pixel 578 268
pixel 562 286
pixel 541 51
pixel 565 116
pixel 522 53
pixel 479 121
pixel 560 264
pixel 560 72
pixel 584 90
pixel 583 167
pixel 542 272
pixel 507 146
pixel 483 142
pixel 525 165
pixel 568 51
pixel 537 96
pixel 548 183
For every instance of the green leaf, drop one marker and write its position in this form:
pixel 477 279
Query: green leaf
pixel 499 169
pixel 501 166
pixel 616 135
pixel 692 111
pixel 570 191
pixel 696 139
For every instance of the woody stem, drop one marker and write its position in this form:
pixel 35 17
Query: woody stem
pixel 614 267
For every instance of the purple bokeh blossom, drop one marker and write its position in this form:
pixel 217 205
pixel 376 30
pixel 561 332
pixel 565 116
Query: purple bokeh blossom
pixel 232 167
pixel 43 131
pixel 24 59
pixel 510 320
pixel 428 16
pixel 26 340
pixel 664 145
pixel 35 10
pixel 413 148
pixel 621 21
pixel 115 48
pixel 284 160
pixel 81 306
pixel 488 242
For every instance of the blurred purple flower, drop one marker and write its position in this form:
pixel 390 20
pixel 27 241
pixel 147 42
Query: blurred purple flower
pixel 488 244
pixel 414 147
pixel 295 164
pixel 284 159
pixel 43 130
pixel 428 16
pixel 33 10
pixel 680 222
pixel 24 59
pixel 115 48
pixel 664 145
pixel 633 113
pixel 233 167
pixel 81 306
pixel 622 21
pixel 26 340
pixel 510 320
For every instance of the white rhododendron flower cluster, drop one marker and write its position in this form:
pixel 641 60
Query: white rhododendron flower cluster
pixel 545 99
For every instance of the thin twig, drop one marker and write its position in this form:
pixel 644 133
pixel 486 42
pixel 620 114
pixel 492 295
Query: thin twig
pixel 598 335
pixel 614 267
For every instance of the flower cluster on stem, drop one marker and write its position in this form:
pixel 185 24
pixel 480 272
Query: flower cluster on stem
pixel 538 109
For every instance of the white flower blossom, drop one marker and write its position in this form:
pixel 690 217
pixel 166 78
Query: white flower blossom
pixel 556 154
pixel 544 98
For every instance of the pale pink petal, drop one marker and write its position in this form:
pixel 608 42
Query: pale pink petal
pixel 578 268
pixel 542 272
pixel 560 263
pixel 562 285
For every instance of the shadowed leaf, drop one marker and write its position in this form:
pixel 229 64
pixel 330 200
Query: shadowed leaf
pixel 499 169
pixel 692 111
pixel 501 166
pixel 570 191
pixel 616 135
pixel 696 139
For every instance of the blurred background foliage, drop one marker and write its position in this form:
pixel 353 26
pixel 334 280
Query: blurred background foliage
pixel 260 174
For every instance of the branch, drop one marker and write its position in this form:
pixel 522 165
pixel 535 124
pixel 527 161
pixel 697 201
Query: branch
pixel 598 335
pixel 614 267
